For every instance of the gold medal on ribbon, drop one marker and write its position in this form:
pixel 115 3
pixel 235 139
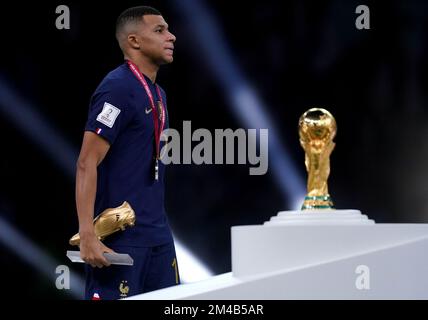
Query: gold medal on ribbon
pixel 160 110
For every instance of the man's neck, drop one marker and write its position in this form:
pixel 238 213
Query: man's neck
pixel 145 66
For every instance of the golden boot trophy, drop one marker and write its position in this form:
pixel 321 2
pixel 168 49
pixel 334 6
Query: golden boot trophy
pixel 110 221
pixel 317 129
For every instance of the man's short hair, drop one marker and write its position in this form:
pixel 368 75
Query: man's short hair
pixel 133 15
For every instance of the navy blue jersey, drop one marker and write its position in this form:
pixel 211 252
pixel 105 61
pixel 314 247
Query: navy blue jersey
pixel 120 112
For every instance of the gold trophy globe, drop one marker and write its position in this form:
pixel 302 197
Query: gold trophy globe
pixel 317 129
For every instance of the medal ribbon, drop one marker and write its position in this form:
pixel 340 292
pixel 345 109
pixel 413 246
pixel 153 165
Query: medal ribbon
pixel 158 128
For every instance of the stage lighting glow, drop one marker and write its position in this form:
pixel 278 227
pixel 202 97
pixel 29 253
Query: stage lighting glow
pixel 243 98
pixel 190 268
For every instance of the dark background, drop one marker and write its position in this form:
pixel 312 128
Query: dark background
pixel 295 55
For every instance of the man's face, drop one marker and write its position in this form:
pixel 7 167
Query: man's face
pixel 156 42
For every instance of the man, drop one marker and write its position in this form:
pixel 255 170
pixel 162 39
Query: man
pixel 119 161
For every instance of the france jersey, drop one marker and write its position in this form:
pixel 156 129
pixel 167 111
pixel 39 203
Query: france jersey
pixel 120 112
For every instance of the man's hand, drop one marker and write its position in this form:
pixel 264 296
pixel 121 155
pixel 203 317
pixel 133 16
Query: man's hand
pixel 92 249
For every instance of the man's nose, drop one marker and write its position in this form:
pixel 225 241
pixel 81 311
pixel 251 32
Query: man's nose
pixel 171 37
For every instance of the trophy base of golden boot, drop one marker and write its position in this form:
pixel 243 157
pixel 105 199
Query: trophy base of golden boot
pixel 110 221
pixel 317 202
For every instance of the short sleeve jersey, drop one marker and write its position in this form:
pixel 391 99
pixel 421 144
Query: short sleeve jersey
pixel 120 112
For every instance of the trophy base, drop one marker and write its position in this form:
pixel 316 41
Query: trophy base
pixel 320 217
pixel 317 202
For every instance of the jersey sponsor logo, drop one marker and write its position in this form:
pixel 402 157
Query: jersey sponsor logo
pixel 108 115
pixel 148 110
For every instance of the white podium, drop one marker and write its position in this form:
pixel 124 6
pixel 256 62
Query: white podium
pixel 335 254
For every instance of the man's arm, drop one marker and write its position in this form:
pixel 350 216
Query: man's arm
pixel 94 149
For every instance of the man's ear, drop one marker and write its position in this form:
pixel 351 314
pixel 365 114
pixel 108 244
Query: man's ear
pixel 133 41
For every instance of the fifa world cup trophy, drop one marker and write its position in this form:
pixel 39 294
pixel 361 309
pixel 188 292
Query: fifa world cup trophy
pixel 317 129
